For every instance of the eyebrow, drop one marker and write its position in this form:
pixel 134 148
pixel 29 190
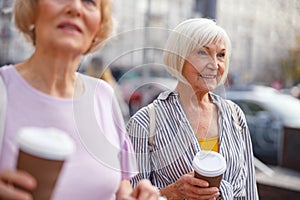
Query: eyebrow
pixel 206 47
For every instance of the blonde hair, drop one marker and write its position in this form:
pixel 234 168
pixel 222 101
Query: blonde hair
pixel 24 16
pixel 190 35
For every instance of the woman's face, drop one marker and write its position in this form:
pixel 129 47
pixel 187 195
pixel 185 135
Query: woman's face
pixel 204 67
pixel 67 24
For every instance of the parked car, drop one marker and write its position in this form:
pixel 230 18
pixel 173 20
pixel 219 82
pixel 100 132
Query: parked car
pixel 267 112
pixel 139 91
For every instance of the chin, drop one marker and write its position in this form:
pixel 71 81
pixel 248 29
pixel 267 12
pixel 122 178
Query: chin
pixel 73 48
pixel 71 44
pixel 210 87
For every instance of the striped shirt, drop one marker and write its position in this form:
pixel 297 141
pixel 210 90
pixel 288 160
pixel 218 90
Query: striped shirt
pixel 175 145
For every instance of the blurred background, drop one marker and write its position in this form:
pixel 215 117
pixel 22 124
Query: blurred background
pixel 265 34
pixel 264 74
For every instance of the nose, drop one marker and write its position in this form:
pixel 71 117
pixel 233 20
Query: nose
pixel 75 7
pixel 214 63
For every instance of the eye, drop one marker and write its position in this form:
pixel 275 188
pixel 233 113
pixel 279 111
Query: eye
pixel 202 52
pixel 91 2
pixel 221 55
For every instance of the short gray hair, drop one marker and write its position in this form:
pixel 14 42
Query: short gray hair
pixel 190 35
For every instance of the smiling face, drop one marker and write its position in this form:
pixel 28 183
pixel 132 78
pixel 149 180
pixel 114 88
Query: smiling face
pixel 67 24
pixel 204 67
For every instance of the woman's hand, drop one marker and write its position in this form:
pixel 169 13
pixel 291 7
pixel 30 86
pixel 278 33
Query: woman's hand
pixel 11 183
pixel 143 191
pixel 191 188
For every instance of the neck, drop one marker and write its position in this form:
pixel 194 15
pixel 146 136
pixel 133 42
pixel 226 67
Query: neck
pixel 55 76
pixel 199 109
pixel 190 97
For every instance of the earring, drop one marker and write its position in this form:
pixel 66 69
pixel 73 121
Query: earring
pixel 31 27
pixel 32 33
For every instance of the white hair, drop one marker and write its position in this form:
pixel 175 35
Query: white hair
pixel 190 35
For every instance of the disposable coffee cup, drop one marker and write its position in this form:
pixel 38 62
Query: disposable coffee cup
pixel 42 152
pixel 209 166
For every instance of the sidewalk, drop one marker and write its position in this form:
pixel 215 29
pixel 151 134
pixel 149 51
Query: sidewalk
pixel 277 183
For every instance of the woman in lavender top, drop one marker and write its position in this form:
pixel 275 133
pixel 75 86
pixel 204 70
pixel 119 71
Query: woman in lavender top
pixel 46 91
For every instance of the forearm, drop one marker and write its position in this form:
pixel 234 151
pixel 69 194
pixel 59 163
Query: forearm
pixel 251 187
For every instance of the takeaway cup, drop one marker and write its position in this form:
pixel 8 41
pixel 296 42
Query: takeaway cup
pixel 209 166
pixel 42 152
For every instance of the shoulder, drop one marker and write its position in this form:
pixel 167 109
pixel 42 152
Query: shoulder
pixel 220 102
pixel 164 104
pixel 229 108
pixel 139 122
pixel 9 74
pixel 99 83
pixel 5 70
pixel 5 67
pixel 97 88
pixel 166 98
pixel 224 104
pixel 141 116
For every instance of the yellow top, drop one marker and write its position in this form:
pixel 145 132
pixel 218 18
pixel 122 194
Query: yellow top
pixel 209 144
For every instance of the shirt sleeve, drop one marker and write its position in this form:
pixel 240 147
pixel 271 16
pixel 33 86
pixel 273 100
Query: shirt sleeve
pixel 128 160
pixel 226 190
pixel 127 154
pixel 137 128
pixel 251 186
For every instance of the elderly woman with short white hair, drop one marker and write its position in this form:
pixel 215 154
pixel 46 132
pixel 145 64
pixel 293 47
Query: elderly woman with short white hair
pixel 192 118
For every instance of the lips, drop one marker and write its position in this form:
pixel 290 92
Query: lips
pixel 208 76
pixel 69 26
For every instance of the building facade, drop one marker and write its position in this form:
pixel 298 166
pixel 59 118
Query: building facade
pixel 262 33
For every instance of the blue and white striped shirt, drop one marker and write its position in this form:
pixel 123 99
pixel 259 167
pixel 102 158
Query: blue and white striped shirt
pixel 175 145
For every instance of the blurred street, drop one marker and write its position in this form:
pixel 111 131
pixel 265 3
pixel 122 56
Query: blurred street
pixel 264 74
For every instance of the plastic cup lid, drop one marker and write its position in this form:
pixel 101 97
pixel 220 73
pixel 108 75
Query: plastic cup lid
pixel 209 163
pixel 48 143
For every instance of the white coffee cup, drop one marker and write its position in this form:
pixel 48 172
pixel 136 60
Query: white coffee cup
pixel 42 152
pixel 209 166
